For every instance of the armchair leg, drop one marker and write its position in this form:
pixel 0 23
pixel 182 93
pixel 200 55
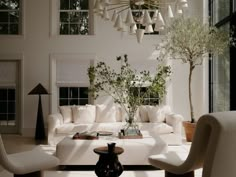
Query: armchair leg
pixel 33 174
pixel 189 174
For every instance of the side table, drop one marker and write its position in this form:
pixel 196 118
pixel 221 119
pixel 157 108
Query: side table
pixel 108 164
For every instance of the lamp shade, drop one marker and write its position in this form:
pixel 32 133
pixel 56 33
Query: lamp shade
pixel 129 18
pixel 38 90
pixel 146 18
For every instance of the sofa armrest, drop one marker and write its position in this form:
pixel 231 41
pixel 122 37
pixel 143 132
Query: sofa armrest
pixel 175 120
pixel 54 121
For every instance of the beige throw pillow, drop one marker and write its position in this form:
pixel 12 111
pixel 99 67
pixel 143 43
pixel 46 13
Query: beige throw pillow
pixel 66 113
pixel 105 113
pixel 84 114
pixel 155 114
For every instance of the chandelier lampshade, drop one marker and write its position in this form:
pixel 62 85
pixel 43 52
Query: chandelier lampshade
pixel 139 16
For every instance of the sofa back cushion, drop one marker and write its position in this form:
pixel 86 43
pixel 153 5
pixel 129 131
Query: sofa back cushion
pixel 84 114
pixel 144 113
pixel 158 113
pixel 66 113
pixel 105 113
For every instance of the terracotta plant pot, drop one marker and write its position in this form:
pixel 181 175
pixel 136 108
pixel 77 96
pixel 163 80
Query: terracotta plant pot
pixel 189 130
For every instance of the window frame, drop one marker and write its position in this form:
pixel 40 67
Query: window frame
pixel 55 21
pixel 69 98
pixel 21 26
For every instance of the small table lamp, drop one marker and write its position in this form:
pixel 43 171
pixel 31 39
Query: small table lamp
pixel 40 131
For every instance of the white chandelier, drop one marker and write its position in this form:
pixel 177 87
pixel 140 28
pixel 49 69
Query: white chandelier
pixel 140 16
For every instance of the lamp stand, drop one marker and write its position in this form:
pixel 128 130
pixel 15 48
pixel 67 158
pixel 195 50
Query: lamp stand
pixel 40 131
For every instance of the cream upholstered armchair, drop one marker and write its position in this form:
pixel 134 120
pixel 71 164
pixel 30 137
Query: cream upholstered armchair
pixel 28 163
pixel 213 149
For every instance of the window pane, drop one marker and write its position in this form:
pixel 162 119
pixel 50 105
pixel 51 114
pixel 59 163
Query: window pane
pixel 3 117
pixel 4 4
pixel 83 92
pixel 11 116
pixel 74 17
pixel 64 28
pixel 14 17
pixel 11 107
pixel 84 4
pixel 3 29
pixel 3 94
pixel 221 80
pixel 74 29
pixel 64 17
pixel 74 102
pixel 63 102
pixel 11 94
pixel 84 23
pixel 63 92
pixel 83 101
pixel 74 92
pixel 221 9
pixel 74 4
pixel 4 17
pixel 64 4
pixel 14 4
pixel 14 29
pixel 3 107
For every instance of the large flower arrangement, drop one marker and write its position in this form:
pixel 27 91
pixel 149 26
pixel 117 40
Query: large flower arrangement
pixel 120 86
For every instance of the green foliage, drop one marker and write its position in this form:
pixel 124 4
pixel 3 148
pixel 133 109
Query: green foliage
pixel 119 85
pixel 191 41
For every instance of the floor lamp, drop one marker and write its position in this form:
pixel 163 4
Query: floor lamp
pixel 40 131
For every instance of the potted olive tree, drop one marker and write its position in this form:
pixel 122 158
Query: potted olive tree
pixel 120 86
pixel 191 41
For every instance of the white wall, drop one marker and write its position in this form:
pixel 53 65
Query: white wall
pixel 37 45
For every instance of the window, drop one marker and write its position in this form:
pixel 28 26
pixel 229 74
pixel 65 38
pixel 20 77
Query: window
pixel 74 17
pixel 73 96
pixel 7 106
pixel 148 99
pixel 10 17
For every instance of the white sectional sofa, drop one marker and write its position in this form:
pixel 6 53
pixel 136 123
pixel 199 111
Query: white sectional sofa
pixel 159 120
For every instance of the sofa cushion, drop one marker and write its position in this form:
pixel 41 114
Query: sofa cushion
pixel 66 113
pixel 72 128
pixel 105 113
pixel 84 114
pixel 144 113
pixel 155 114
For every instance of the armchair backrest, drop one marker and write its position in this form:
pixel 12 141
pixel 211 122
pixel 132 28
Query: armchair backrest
pixel 214 145
pixel 4 160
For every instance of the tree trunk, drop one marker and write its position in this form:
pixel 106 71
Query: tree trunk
pixel 191 67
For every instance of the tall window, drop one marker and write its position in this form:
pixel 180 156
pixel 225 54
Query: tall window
pixel 74 17
pixel 73 96
pixel 10 17
pixel 222 73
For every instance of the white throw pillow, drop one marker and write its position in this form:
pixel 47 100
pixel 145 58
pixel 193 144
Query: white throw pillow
pixel 144 113
pixel 84 114
pixel 155 114
pixel 66 113
pixel 105 113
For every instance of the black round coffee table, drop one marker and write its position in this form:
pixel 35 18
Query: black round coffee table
pixel 108 164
